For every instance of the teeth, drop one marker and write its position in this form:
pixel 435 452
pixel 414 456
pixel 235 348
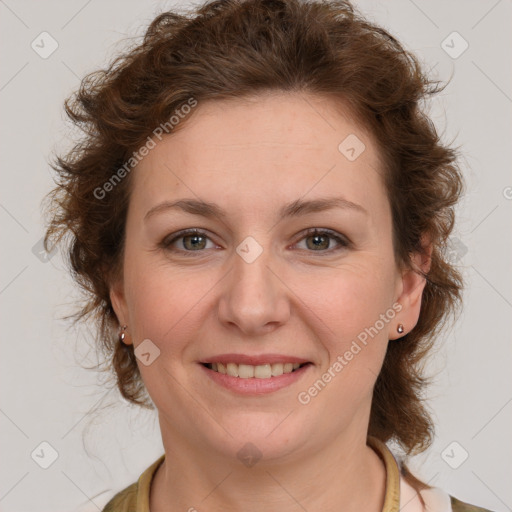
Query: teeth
pixel 232 369
pixel 277 369
pixel 261 371
pixel 245 371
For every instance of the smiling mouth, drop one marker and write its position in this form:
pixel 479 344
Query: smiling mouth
pixel 261 371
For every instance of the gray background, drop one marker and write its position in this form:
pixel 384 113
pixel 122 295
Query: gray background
pixel 47 397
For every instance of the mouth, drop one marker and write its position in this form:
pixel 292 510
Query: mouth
pixel 260 371
pixel 259 375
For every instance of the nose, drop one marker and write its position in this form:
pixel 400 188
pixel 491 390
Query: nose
pixel 254 298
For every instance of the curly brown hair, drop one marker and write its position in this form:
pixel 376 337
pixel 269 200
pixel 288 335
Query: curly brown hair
pixel 238 48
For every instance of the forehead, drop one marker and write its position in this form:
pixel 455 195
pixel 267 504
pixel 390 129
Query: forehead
pixel 264 149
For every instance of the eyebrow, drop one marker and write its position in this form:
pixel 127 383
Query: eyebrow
pixel 294 209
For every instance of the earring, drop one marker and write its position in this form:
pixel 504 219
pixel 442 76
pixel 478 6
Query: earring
pixel 400 328
pixel 122 334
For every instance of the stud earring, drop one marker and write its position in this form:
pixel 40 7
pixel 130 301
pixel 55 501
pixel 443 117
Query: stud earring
pixel 122 333
pixel 400 328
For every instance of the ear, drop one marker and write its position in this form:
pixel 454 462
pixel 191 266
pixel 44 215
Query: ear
pixel 411 285
pixel 117 297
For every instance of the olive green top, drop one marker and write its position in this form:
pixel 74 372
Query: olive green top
pixel 135 497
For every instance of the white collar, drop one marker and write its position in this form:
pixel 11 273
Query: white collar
pixel 436 500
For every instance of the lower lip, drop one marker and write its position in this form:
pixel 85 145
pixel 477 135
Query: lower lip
pixel 254 386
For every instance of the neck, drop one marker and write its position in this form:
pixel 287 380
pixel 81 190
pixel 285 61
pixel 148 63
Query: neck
pixel 346 475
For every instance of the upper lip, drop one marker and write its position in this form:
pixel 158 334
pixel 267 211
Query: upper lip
pixel 254 360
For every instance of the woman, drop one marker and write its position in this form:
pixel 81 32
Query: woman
pixel 258 212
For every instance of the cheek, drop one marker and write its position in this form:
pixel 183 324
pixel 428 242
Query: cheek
pixel 348 306
pixel 163 302
pixel 347 300
pixel 164 308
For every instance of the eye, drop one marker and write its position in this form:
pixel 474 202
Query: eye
pixel 320 240
pixel 191 240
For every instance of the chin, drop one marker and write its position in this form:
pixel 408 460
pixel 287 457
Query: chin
pixel 257 438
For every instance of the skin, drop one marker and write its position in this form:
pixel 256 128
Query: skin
pixel 251 157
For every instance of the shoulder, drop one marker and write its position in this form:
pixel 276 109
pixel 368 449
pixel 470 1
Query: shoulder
pixel 135 497
pixel 460 506
pixel 432 499
pixel 418 496
pixel 123 501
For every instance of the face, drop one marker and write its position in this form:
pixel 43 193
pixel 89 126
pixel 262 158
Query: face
pixel 255 286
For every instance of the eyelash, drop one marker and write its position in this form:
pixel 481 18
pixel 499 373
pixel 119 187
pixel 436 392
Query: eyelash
pixel 342 241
